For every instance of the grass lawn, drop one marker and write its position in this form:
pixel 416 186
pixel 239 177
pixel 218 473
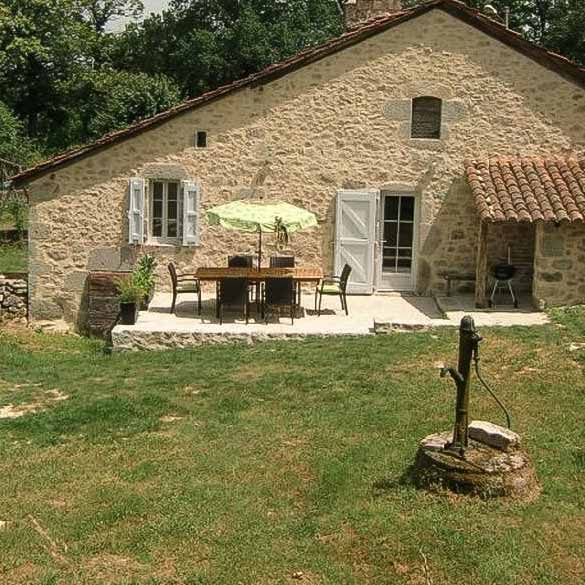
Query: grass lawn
pixel 279 463
pixel 13 258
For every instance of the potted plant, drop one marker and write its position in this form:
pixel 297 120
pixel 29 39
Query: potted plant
pixel 144 278
pixel 130 294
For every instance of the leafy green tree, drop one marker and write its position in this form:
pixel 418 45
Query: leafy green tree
pixel 15 146
pixel 100 12
pixel 42 42
pixel 205 43
pixel 108 100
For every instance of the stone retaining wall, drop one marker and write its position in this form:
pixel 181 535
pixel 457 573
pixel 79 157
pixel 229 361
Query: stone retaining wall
pixel 13 296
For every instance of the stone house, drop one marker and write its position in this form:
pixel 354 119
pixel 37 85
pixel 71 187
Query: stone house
pixel 426 140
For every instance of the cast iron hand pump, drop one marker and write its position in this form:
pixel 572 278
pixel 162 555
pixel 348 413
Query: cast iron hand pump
pixel 468 345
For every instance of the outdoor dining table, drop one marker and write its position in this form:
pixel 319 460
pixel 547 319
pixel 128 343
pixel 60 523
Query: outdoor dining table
pixel 298 274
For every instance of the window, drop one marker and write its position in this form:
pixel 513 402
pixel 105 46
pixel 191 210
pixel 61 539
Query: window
pixel 426 118
pixel 201 139
pixel 163 212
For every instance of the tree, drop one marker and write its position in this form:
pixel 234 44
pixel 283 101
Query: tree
pixel 42 42
pixel 14 144
pixel 100 12
pixel 108 100
pixel 205 43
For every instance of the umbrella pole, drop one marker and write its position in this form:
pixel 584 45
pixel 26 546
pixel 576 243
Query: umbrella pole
pixel 259 247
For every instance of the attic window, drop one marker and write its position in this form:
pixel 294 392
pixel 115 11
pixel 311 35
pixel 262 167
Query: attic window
pixel 426 117
pixel 201 139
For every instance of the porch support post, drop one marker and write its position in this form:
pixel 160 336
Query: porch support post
pixel 481 267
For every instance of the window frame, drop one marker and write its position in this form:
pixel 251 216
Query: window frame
pixel 164 239
pixel 413 103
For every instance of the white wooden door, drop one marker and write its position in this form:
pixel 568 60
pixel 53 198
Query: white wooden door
pixel 355 235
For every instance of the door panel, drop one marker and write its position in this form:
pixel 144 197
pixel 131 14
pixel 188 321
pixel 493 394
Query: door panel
pixel 355 235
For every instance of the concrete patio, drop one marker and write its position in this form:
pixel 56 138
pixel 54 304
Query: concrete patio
pixel 158 329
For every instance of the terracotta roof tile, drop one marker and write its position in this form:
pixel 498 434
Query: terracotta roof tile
pixel 528 189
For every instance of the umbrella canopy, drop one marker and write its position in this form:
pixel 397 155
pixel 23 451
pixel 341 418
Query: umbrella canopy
pixel 261 217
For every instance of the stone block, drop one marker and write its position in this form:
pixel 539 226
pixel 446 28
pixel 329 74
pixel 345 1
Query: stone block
pixel 437 441
pixel 493 435
pixel 104 259
pixel 551 276
pixel 75 281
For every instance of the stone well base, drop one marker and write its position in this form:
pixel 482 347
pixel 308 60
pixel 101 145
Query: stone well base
pixel 485 471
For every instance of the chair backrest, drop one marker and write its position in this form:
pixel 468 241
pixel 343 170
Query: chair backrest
pixel 282 261
pixel 233 290
pixel 279 291
pixel 240 261
pixel 173 272
pixel 344 278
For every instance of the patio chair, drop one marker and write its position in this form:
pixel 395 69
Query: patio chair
pixel 334 285
pixel 286 262
pixel 279 292
pixel 233 292
pixel 241 261
pixel 182 284
pixel 282 261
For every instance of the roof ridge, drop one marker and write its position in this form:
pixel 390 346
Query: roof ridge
pixel 360 32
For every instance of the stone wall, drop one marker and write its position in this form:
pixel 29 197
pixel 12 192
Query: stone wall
pixel 13 297
pixel 559 266
pixel 339 123
pixel 520 238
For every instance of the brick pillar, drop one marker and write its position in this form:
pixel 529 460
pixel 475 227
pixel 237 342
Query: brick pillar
pixel 357 11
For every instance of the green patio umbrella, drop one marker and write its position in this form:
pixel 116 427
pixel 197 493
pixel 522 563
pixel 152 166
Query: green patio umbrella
pixel 262 218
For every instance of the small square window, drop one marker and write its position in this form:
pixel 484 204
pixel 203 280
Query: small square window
pixel 201 139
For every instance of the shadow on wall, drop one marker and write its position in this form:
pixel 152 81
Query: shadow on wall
pixel 451 243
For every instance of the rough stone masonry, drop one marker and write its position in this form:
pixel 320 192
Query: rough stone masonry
pixel 13 297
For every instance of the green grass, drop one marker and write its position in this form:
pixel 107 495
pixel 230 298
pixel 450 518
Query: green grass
pixel 13 258
pixel 231 465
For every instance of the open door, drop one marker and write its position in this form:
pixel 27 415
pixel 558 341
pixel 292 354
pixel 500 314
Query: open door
pixel 355 235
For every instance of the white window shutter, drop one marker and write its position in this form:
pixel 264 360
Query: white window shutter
pixel 190 213
pixel 136 211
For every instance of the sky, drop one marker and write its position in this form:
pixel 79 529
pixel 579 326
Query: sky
pixel 149 6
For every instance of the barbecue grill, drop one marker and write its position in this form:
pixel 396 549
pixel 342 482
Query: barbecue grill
pixel 503 274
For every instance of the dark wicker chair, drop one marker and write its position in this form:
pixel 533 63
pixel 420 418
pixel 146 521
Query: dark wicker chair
pixel 282 261
pixel 334 285
pixel 241 261
pixel 286 262
pixel 233 292
pixel 183 284
pixel 279 292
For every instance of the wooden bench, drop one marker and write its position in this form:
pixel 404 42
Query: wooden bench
pixel 455 276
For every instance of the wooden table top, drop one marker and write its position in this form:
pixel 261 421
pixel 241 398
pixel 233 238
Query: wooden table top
pixel 297 273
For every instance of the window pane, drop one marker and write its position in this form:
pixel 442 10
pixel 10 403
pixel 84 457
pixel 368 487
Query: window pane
pixel 406 230
pixel 391 233
pixel 426 117
pixel 391 208
pixel 389 260
pixel 405 252
pixel 404 264
pixel 157 209
pixel 407 209
pixel 172 210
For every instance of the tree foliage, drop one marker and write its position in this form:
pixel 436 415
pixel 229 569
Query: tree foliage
pixel 15 146
pixel 205 43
